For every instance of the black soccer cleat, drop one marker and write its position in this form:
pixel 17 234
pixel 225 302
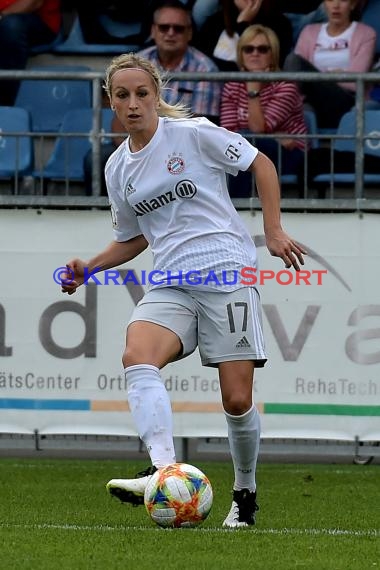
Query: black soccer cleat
pixel 243 509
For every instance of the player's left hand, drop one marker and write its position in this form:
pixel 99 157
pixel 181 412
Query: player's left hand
pixel 291 252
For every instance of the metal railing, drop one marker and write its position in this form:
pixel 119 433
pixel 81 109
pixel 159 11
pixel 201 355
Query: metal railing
pixel 356 202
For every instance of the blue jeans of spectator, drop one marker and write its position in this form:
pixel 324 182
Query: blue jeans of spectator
pixel 329 100
pixel 286 162
pixel 18 34
pixel 202 9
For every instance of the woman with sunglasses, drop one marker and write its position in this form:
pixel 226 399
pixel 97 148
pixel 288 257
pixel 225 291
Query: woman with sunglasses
pixel 167 188
pixel 264 108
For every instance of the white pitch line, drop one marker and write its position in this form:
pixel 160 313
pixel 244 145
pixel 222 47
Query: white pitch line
pixel 374 533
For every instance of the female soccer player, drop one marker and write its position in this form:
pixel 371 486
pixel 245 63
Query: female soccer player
pixel 167 189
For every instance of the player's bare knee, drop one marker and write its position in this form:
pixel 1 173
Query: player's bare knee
pixel 133 356
pixel 237 404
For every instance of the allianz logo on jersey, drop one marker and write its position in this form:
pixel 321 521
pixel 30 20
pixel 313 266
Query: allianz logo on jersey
pixel 185 189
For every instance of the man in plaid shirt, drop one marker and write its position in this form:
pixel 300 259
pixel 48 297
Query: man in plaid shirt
pixel 172 32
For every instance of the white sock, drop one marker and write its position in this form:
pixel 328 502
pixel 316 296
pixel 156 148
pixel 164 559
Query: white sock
pixel 151 410
pixel 244 441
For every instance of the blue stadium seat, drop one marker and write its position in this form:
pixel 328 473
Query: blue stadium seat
pixel 347 128
pixel 47 100
pixel 66 160
pixel 16 151
pixel 75 43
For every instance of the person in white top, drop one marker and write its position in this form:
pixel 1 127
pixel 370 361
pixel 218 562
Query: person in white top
pixel 167 189
pixel 339 45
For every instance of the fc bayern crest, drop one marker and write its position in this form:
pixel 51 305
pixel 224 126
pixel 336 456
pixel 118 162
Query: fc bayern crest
pixel 176 165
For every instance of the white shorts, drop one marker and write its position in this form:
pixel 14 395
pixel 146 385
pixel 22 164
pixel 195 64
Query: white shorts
pixel 224 326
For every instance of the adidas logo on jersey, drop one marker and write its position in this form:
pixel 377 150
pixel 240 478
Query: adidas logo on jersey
pixel 243 343
pixel 130 189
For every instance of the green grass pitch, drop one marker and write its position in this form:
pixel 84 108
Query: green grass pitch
pixel 55 514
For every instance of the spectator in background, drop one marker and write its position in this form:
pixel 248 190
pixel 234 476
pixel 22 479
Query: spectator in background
pixel 24 24
pixel 172 33
pixel 219 36
pixel 267 108
pixel 312 12
pixel 340 44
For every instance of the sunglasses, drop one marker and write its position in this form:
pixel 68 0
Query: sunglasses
pixel 177 28
pixel 262 49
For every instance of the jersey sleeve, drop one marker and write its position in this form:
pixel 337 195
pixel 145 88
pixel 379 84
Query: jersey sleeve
pixel 124 221
pixel 221 148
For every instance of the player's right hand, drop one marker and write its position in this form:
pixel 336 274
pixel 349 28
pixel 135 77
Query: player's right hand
pixel 74 276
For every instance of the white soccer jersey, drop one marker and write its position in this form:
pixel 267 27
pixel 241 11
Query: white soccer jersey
pixel 174 192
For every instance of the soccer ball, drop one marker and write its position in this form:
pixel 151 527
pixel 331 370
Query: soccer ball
pixel 178 495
